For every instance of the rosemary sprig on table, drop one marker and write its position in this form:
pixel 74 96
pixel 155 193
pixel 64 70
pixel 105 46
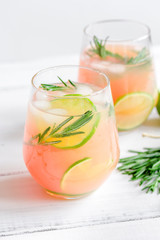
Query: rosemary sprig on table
pixel 99 47
pixel 54 131
pixel 145 167
pixel 65 86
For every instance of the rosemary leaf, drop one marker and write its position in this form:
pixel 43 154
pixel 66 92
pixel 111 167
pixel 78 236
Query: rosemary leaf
pixel 34 137
pixel 72 83
pixel 66 132
pixel 51 143
pixel 61 135
pixel 84 119
pixel 115 55
pixel 99 47
pixel 62 81
pixel 60 126
pixel 52 87
pixel 141 56
pixel 43 134
pixel 145 167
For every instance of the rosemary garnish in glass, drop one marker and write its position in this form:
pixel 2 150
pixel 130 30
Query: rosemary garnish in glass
pixel 56 132
pixel 65 86
pixel 145 167
pixel 99 47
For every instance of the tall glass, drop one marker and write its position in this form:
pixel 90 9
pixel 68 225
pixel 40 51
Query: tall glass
pixel 70 140
pixel 121 49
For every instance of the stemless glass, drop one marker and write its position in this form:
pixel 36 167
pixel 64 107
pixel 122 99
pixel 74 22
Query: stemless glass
pixel 121 49
pixel 70 140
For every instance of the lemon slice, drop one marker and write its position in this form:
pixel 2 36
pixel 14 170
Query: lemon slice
pixel 133 109
pixel 76 107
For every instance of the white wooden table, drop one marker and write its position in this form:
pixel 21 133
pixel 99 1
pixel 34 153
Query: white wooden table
pixel 117 210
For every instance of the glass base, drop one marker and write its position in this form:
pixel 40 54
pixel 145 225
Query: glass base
pixel 66 196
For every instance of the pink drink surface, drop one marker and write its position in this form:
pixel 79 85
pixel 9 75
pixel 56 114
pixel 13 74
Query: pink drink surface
pixel 48 164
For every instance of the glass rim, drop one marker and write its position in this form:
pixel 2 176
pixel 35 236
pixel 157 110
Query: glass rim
pixel 144 36
pixel 70 66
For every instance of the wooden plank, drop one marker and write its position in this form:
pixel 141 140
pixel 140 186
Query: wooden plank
pixel 24 207
pixel 139 230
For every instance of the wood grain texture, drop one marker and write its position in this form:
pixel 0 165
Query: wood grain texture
pixel 118 208
pixel 139 230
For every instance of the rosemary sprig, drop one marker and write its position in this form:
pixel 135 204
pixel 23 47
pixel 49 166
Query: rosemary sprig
pixel 55 132
pixel 84 119
pixel 141 56
pixel 52 87
pixel 145 167
pixel 99 47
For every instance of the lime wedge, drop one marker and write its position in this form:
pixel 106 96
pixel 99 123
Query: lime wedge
pixel 76 107
pixel 158 103
pixel 133 109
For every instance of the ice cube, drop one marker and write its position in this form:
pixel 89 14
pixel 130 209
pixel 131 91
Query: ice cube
pixel 83 89
pixel 42 105
pixel 58 111
pixel 116 68
pixel 100 65
pixel 41 96
pixel 99 100
pixel 55 116
pixel 110 67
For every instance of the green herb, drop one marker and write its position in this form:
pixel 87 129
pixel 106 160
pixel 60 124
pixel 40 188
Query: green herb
pixel 141 56
pixel 100 50
pixel 55 132
pixel 51 87
pixel 55 129
pixel 145 167
pixel 72 83
pixel 98 47
pixel 158 103
pixel 85 118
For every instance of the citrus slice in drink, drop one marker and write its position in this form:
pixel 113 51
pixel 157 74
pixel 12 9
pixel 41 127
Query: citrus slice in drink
pixel 83 176
pixel 75 175
pixel 156 97
pixel 133 109
pixel 75 105
pixel 158 103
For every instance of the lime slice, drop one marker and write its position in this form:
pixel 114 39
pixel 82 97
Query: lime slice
pixel 156 97
pixel 72 105
pixel 75 176
pixel 65 195
pixel 84 176
pixel 133 109
pixel 76 107
pixel 158 103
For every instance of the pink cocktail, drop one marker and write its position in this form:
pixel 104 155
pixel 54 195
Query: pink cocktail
pixel 121 49
pixel 70 140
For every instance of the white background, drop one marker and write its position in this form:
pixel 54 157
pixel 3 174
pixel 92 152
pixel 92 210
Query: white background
pixel 33 29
